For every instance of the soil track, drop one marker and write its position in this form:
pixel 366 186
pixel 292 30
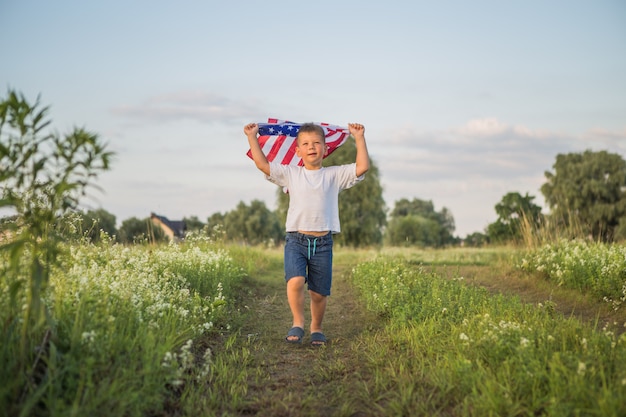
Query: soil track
pixel 301 380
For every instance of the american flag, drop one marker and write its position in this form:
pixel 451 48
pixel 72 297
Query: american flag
pixel 277 139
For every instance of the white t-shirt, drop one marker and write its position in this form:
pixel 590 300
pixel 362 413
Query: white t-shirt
pixel 313 194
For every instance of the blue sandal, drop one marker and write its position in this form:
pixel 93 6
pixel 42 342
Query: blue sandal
pixel 297 332
pixel 318 339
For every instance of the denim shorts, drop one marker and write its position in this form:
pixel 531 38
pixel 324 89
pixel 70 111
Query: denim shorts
pixel 310 257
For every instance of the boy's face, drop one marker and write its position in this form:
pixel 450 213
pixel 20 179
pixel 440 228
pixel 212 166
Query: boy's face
pixel 311 148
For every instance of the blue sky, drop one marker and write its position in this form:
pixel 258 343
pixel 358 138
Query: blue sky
pixel 462 102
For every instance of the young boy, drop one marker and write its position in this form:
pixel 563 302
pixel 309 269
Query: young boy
pixel 312 218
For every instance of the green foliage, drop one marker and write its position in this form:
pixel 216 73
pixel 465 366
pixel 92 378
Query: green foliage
pixel 476 239
pixel 417 223
pixel 362 212
pixel 96 221
pixel 515 214
pixel 587 189
pixel 43 177
pixel 597 268
pixel 413 230
pixel 253 224
pixel 471 352
pixel 193 223
pixel 134 230
pixel 131 326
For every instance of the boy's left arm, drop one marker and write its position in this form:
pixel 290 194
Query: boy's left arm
pixel 362 157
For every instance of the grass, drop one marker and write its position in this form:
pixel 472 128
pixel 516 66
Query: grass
pixel 198 329
pixel 474 353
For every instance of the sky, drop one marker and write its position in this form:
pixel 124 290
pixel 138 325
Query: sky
pixel 462 101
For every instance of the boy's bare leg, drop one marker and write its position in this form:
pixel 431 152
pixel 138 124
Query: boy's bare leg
pixel 318 308
pixel 295 296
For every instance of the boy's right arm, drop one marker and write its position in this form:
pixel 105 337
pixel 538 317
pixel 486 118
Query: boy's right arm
pixel 251 130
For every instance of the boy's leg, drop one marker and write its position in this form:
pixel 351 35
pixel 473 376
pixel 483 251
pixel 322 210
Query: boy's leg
pixel 295 296
pixel 320 280
pixel 318 308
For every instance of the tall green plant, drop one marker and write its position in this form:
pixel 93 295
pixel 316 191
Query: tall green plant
pixel 42 176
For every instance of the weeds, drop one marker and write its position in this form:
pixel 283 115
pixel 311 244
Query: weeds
pixel 471 353
pixel 597 268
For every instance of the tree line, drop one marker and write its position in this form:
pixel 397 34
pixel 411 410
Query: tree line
pixel 585 193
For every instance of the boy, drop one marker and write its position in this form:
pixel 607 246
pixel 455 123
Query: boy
pixel 312 218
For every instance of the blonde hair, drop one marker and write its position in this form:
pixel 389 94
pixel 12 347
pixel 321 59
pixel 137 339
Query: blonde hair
pixel 311 127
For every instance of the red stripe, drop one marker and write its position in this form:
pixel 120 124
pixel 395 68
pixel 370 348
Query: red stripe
pixel 290 153
pixel 276 147
pixel 262 140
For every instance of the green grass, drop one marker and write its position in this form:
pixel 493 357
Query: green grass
pixel 473 353
pixel 198 328
pixel 124 333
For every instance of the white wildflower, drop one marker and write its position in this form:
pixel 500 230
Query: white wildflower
pixel 88 337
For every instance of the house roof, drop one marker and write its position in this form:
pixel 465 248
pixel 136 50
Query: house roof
pixel 178 227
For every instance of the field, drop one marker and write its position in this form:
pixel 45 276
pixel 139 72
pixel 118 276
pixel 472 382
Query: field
pixel 197 329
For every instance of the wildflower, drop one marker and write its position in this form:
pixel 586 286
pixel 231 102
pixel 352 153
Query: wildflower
pixel 88 337
pixel 167 360
pixel 444 310
pixel 206 367
pixel 463 336
pixel 524 342
pixel 581 368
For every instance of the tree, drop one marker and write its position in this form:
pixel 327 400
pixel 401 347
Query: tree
pixel 514 213
pixel 134 230
pixel 193 223
pixel 586 190
pixel 253 224
pixel 476 239
pixel 413 230
pixel 94 221
pixel 362 212
pixel 417 222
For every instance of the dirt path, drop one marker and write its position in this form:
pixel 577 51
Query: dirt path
pixel 301 380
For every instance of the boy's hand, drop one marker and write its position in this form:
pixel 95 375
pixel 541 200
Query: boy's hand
pixel 356 130
pixel 251 129
pixel 362 157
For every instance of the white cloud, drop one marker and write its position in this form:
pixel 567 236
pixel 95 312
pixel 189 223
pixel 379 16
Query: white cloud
pixel 199 106
pixel 483 128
